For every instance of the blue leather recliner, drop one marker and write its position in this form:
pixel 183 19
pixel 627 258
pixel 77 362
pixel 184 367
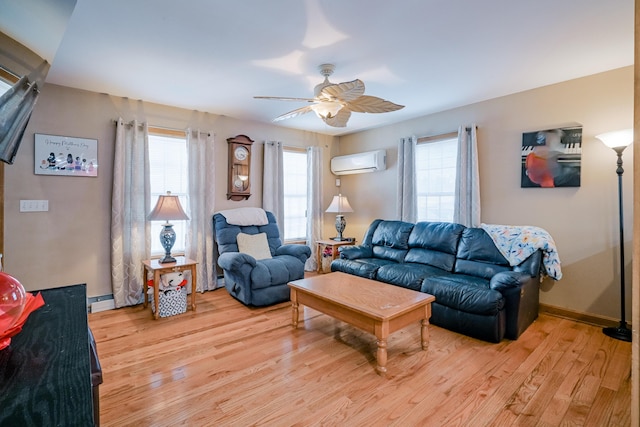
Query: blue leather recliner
pixel 258 282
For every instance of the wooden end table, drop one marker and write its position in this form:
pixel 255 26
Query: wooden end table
pixel 157 268
pixel 375 307
pixel 333 244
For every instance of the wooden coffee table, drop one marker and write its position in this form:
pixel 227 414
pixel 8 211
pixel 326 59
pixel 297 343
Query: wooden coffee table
pixel 377 308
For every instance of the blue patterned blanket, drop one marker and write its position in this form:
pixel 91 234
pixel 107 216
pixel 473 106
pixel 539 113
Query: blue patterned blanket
pixel 517 243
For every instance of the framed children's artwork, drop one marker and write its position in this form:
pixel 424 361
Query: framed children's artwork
pixel 65 155
pixel 551 158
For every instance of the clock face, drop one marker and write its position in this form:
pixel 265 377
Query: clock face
pixel 241 153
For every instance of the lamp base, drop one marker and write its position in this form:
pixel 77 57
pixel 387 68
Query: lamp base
pixel 621 332
pixel 167 239
pixel 340 239
pixel 167 259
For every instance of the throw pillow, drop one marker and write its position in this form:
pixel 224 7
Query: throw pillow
pixel 255 245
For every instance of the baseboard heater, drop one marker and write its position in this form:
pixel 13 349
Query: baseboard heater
pixel 101 303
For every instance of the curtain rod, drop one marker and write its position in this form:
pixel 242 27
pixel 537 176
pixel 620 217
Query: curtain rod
pixel 171 130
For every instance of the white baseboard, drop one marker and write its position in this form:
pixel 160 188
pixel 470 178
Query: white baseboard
pixel 104 305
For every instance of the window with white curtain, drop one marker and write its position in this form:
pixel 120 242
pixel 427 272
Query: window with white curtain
pixel 295 194
pixel 168 172
pixel 436 177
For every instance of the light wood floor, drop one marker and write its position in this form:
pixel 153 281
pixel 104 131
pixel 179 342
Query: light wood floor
pixel 227 364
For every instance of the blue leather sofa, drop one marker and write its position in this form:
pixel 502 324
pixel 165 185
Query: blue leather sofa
pixel 258 282
pixel 477 292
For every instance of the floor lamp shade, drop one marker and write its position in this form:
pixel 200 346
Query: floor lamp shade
pixel 167 209
pixel 618 141
pixel 339 205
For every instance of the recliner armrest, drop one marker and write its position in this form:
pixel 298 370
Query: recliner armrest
pixel 506 280
pixel 234 260
pixel 302 252
pixel 355 252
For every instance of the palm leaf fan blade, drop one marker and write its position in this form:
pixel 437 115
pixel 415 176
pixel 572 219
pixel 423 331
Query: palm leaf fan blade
pixel 284 98
pixel 372 104
pixel 339 120
pixel 294 113
pixel 347 91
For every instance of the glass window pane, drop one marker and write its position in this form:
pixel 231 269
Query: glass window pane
pixel 295 195
pixel 168 172
pixel 435 179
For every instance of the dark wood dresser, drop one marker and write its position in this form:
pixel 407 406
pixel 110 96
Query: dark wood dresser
pixel 46 373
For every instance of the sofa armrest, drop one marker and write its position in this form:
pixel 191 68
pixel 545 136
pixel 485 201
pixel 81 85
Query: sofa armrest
pixel 302 252
pixel 234 260
pixel 508 280
pixel 356 252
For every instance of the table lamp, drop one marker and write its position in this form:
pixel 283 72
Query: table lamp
pixel 339 204
pixel 168 208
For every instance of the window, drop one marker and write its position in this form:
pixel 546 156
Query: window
pixel 7 79
pixel 295 194
pixel 168 172
pixel 436 177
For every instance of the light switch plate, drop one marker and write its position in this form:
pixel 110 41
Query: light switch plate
pixel 34 205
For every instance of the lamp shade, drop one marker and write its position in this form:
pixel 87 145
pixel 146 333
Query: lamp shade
pixel 617 138
pixel 339 204
pixel 168 208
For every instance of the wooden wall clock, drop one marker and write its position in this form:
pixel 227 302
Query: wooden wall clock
pixel 239 182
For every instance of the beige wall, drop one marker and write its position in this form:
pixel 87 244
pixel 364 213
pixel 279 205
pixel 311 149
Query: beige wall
pixel 70 243
pixel 583 221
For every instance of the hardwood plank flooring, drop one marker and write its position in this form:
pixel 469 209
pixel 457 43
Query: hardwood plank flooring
pixel 230 365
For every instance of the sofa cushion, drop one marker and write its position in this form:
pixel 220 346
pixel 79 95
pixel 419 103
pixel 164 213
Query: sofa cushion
pixel 435 244
pixel 470 294
pixel 363 267
pixel 478 256
pixel 407 275
pixel 390 240
pixel 277 270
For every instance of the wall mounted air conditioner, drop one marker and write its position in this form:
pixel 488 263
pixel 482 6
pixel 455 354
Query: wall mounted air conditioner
pixel 371 161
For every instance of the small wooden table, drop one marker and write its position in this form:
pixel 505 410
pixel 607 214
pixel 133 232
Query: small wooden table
pixel 377 308
pixel 333 244
pixel 157 268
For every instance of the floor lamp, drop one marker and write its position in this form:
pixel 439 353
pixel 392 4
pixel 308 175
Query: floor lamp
pixel 618 141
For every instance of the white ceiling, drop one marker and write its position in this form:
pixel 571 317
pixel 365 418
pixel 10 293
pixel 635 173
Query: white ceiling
pixel 429 55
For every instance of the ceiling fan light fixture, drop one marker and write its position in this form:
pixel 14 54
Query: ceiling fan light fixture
pixel 326 109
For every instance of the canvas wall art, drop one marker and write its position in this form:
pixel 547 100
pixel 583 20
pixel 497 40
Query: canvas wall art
pixel 65 156
pixel 551 158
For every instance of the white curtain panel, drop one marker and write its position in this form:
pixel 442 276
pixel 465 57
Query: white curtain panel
pixel 407 199
pixel 130 230
pixel 16 105
pixel 314 204
pixel 467 194
pixel 273 181
pixel 199 245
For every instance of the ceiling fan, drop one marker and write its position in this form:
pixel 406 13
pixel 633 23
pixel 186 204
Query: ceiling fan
pixel 334 103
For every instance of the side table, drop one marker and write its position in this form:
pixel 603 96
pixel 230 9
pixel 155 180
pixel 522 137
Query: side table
pixel 157 268
pixel 333 244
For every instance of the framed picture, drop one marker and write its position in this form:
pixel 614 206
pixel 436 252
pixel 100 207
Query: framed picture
pixel 551 158
pixel 65 155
